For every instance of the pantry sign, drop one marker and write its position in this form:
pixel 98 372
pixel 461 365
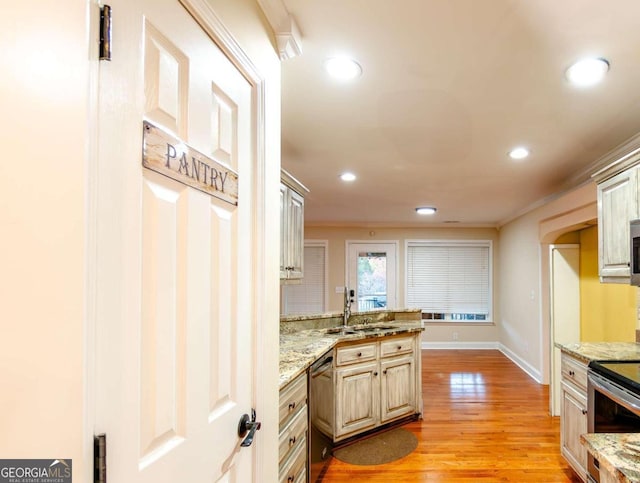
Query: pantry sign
pixel 168 155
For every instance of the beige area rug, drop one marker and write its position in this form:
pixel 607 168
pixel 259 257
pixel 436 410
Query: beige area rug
pixel 379 449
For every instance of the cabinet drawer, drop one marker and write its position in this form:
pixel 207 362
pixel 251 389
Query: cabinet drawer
pixel 292 435
pixel 356 353
pixel 295 467
pixel 394 347
pixel 292 398
pixel 574 371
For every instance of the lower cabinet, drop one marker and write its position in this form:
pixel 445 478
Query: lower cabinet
pixel 293 434
pixel 573 418
pixel 375 384
pixel 357 399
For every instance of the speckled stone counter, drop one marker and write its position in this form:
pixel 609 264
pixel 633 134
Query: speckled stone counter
pixel 618 454
pixel 602 351
pixel 301 348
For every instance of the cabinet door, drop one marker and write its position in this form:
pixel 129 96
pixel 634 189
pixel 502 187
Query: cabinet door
pixel 617 206
pixel 357 399
pixel 296 235
pixel 573 423
pixel 398 391
pixel 284 225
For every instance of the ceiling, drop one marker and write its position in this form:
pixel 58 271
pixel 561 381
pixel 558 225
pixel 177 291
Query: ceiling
pixel 448 88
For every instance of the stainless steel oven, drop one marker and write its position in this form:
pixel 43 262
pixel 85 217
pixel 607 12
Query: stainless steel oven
pixel 613 402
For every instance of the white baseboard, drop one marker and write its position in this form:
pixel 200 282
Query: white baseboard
pixel 459 345
pixel 524 365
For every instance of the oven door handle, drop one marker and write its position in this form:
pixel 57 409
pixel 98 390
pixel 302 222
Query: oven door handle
pixel 620 396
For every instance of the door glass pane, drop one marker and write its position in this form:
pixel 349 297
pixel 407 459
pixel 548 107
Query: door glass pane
pixel 372 280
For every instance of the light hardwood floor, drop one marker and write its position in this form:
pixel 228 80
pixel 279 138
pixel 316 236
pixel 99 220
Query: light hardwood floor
pixel 484 420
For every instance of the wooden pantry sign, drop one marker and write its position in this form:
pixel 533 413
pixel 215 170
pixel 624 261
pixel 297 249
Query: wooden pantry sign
pixel 168 155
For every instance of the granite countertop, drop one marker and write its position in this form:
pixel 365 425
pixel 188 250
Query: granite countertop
pixel 298 350
pixel 602 351
pixel 619 454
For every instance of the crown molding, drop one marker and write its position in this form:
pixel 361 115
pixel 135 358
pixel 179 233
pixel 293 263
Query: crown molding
pixel 285 29
pixel 617 160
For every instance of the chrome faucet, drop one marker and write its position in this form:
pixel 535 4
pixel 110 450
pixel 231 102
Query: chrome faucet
pixel 348 299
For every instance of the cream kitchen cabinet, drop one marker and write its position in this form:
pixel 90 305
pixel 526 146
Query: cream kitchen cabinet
pixel 617 206
pixel 293 431
pixel 618 183
pixel 376 383
pixel 291 227
pixel 573 417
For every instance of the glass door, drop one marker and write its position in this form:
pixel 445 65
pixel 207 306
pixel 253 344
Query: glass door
pixel 372 275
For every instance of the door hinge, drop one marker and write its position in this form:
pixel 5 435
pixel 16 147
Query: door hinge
pixel 105 33
pixel 100 458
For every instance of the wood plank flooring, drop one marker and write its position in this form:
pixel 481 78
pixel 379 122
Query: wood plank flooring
pixel 484 420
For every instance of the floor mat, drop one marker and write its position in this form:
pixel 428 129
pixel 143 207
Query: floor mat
pixel 379 449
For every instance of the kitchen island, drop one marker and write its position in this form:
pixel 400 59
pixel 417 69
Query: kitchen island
pixel 303 339
pixel 319 406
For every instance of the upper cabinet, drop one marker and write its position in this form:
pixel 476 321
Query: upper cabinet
pixel 291 227
pixel 618 204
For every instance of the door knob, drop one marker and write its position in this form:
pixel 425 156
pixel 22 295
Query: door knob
pixel 248 425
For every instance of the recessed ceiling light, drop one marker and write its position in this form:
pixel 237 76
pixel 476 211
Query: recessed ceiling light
pixel 587 72
pixel 425 210
pixel 519 153
pixel 342 68
pixel 348 177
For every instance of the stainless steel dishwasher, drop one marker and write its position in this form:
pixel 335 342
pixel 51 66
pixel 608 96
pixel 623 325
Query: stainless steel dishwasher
pixel 321 416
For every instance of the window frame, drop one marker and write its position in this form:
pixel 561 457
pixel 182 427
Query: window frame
pixel 485 243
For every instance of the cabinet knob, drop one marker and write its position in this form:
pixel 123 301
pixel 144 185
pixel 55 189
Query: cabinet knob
pixel 399 347
pixel 359 354
pixel 584 412
pixel 292 406
pixel 571 373
pixel 292 441
pixel 290 479
pixel 375 373
pixel 384 372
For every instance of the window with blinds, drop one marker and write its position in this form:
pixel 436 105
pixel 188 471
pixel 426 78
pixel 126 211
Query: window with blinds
pixel 308 297
pixel 450 280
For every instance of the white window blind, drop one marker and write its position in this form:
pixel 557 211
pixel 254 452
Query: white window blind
pixel 451 278
pixel 309 296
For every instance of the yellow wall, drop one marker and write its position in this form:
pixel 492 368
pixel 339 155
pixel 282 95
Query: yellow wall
pixel 608 310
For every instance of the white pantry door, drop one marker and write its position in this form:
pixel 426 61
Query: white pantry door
pixel 175 278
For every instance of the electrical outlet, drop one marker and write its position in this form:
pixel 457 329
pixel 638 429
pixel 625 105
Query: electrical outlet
pixel 455 336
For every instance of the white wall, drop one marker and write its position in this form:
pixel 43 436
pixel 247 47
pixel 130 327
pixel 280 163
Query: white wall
pixel 524 280
pixel 44 99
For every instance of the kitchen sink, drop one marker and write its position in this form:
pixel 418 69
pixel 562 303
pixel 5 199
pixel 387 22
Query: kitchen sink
pixel 373 328
pixel 340 331
pixel 357 329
